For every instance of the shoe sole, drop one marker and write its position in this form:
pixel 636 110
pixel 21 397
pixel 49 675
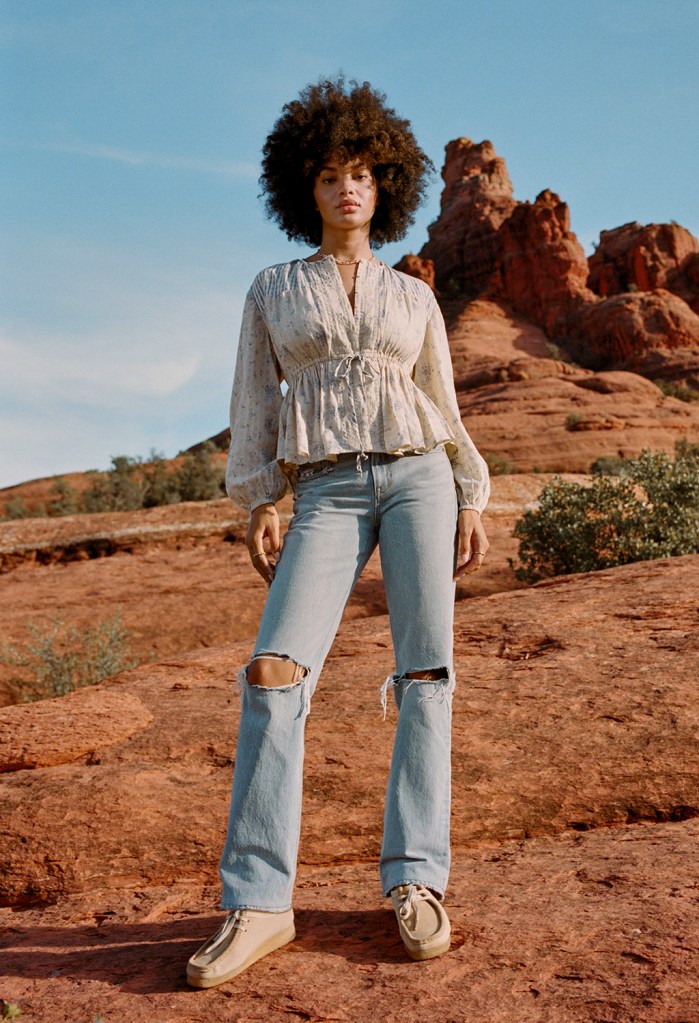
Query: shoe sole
pixel 197 980
pixel 420 954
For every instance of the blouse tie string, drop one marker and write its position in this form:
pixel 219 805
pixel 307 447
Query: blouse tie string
pixel 342 372
pixel 344 367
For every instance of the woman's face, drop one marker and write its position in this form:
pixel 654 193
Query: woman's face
pixel 345 194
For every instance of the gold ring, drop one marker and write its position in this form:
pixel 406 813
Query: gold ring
pixel 260 554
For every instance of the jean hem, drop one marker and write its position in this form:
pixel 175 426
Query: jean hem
pixel 259 909
pixel 437 889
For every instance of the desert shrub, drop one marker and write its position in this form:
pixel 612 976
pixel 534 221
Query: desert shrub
pixel 133 483
pixel 200 478
pixel 682 391
pixel 572 420
pixel 608 465
pixel 16 508
pixel 162 486
pixel 499 465
pixel 57 659
pixel 651 511
pixel 65 499
pixel 555 351
pixel 121 489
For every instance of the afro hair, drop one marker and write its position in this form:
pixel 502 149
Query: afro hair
pixel 348 124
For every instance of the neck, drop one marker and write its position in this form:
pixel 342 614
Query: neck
pixel 346 245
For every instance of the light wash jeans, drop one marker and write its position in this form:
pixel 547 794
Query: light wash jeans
pixel 407 505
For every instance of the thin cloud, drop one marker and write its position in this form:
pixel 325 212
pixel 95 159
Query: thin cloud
pixel 231 169
pixel 50 366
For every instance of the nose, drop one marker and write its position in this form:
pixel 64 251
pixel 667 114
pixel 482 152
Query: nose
pixel 347 185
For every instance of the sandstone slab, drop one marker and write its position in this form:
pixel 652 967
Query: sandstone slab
pixel 576 839
pixel 576 708
pixel 59 731
pixel 582 928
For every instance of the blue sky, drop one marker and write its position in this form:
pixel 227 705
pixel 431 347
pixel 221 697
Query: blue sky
pixel 130 139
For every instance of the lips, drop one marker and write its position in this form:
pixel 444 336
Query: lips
pixel 349 206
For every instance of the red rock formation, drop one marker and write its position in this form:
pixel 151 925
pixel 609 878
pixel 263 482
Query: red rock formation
pixel 517 392
pixel 635 331
pixel 414 266
pixel 484 244
pixel 647 257
pixel 477 198
pixel 542 269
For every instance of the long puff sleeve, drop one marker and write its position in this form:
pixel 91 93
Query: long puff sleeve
pixel 434 375
pixel 253 474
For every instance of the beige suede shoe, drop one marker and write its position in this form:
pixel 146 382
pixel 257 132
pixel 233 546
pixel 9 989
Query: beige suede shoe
pixel 422 922
pixel 244 937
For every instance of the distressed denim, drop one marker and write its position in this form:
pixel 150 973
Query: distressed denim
pixel 408 507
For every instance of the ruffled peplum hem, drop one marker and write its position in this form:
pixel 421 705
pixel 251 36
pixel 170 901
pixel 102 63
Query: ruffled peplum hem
pixel 327 410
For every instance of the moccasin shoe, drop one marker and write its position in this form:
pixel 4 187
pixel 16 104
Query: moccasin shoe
pixel 422 921
pixel 244 937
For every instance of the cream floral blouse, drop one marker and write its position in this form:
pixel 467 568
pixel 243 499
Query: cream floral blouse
pixel 376 379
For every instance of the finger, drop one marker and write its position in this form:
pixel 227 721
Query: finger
pixel 471 565
pixel 273 535
pixel 263 565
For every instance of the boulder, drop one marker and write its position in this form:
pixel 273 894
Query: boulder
pixel 652 332
pixel 645 258
pixel 414 266
pixel 59 731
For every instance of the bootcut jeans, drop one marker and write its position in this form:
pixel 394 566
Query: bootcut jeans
pixel 342 510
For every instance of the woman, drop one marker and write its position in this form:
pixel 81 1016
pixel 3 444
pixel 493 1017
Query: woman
pixel 369 436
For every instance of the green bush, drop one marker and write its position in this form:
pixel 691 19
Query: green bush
pixel 16 508
pixel 572 420
pixel 123 488
pixel 682 391
pixel 650 511
pixel 608 465
pixel 200 478
pixel 57 659
pixel 162 486
pixel 65 499
pixel 134 483
pixel 499 465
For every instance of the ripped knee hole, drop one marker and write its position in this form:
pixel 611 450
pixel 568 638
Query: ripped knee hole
pixel 274 670
pixel 431 675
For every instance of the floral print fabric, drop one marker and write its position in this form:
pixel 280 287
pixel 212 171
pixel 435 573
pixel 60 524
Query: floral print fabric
pixel 376 378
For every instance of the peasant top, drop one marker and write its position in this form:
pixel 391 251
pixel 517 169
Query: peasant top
pixel 376 379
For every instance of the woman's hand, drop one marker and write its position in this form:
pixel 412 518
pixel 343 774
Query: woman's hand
pixel 473 543
pixel 264 525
